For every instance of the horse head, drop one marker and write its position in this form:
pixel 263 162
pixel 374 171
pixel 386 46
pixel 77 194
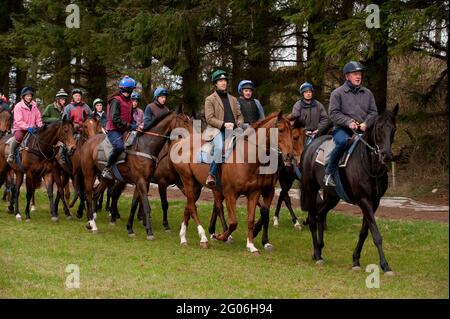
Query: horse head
pixel 5 122
pixel 91 127
pixel 66 133
pixel 382 133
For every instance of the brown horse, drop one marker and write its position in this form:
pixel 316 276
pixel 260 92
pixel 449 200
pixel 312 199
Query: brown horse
pixel 287 176
pixel 138 168
pixel 35 159
pixel 91 127
pixel 240 178
pixel 5 128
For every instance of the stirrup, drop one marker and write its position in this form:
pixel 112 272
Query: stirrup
pixel 107 173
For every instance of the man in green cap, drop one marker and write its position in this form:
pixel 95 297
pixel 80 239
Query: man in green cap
pixel 54 111
pixel 222 112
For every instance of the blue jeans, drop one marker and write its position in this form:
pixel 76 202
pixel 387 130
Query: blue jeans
pixel 340 137
pixel 116 139
pixel 217 153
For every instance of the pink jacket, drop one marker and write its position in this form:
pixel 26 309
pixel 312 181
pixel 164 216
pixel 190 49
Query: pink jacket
pixel 25 118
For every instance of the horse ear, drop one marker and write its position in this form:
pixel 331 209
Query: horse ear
pixel 280 115
pixel 180 109
pixel 395 111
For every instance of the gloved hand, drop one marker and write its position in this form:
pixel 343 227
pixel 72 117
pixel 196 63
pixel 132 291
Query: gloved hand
pixel 133 126
pixel 31 130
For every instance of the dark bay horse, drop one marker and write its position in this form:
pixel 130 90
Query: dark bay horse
pixel 138 168
pixel 365 180
pixel 241 177
pixel 287 175
pixel 36 158
pixel 6 119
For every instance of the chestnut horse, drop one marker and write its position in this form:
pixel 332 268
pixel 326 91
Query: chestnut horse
pixel 138 168
pixel 35 159
pixel 240 178
pixel 287 176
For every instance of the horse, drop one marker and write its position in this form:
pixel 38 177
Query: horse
pixel 91 127
pixel 365 181
pixel 241 178
pixel 35 159
pixel 287 176
pixel 5 128
pixel 138 168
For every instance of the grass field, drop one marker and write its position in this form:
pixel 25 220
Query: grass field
pixel 34 256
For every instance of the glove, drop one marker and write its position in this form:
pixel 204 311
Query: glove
pixel 30 130
pixel 133 127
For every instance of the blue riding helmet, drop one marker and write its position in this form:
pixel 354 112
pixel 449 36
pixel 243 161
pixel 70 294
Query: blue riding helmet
pixel 245 84
pixel 159 92
pixel 135 96
pixel 306 87
pixel 27 90
pixel 127 83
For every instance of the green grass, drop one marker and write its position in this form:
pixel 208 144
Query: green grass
pixel 33 257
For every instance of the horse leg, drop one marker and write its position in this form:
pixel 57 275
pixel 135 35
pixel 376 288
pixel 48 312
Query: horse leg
pixel 193 210
pixel 287 200
pixel 29 194
pixel 19 181
pixel 264 220
pixel 48 180
pixel 108 199
pixel 362 238
pixel 277 210
pixel 134 205
pixel 142 187
pixel 252 200
pixel 164 205
pixel 368 209
pixel 63 188
pixel 324 207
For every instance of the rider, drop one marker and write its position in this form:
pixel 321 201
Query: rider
pixel 222 112
pixel 119 120
pixel 3 101
pixel 27 118
pixel 98 111
pixel 138 114
pixel 53 112
pixel 352 106
pixel 157 108
pixel 251 108
pixel 77 110
pixel 309 112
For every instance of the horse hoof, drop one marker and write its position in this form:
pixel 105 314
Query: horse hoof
pixel 33 208
pixel 297 226
pixel 389 273
pixel 268 247
pixel 55 219
pixel 131 235
pixel 320 262
pixel 275 222
pixel 256 253
pixel 88 226
pixel 230 240
pixel 18 218
pixel 213 237
pixel 150 237
pixel 183 243
pixel 356 268
pixel 204 245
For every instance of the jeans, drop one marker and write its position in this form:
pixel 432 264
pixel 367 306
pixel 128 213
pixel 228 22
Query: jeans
pixel 340 137
pixel 218 142
pixel 116 139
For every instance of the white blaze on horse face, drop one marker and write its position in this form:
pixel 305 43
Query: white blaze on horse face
pixel 251 247
pixel 202 234
pixel 183 239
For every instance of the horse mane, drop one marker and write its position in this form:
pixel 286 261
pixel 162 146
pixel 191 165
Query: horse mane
pixel 45 126
pixel 386 115
pixel 158 120
pixel 263 121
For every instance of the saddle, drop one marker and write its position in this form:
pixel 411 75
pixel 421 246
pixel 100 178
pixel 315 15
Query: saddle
pixel 105 149
pixel 205 154
pixel 324 150
pixel 22 145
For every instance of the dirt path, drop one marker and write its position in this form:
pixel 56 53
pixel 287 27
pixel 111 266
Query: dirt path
pixel 390 207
